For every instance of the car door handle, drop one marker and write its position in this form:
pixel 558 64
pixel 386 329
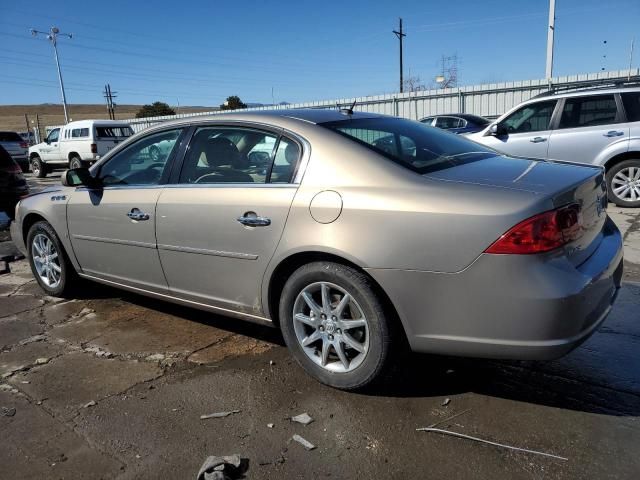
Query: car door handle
pixel 137 214
pixel 254 221
pixel 538 140
pixel 613 133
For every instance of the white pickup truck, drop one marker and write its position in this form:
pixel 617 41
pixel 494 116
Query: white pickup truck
pixel 77 144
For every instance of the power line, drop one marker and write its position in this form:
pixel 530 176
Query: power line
pixel 109 96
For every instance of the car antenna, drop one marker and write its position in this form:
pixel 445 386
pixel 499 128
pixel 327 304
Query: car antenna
pixel 349 111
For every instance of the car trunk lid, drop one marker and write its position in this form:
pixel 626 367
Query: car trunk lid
pixel 562 183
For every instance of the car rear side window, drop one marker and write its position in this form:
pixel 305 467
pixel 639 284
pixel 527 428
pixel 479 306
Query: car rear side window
pixel 449 122
pixel 10 137
pixel 588 111
pixel 79 132
pixel 631 102
pixel 411 144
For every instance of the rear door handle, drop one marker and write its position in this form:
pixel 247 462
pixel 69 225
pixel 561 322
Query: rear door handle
pixel 538 140
pixel 137 214
pixel 613 133
pixel 250 219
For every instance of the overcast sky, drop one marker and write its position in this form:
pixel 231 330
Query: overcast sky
pixel 200 52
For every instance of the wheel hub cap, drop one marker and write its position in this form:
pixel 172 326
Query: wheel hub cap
pixel 46 261
pixel 626 184
pixel 331 327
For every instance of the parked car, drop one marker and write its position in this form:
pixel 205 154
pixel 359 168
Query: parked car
pixel 13 143
pixel 353 250
pixel 599 127
pixel 77 144
pixel 457 122
pixel 13 185
pixel 27 137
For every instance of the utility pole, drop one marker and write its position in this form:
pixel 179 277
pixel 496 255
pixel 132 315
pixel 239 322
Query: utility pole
pixel 109 96
pixel 400 36
pixel 550 34
pixel 52 36
pixel 633 40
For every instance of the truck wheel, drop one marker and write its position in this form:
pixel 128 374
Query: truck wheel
pixel 623 183
pixel 75 162
pixel 38 168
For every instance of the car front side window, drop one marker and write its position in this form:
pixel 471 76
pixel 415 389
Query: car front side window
pixel 228 155
pixel 143 162
pixel 534 117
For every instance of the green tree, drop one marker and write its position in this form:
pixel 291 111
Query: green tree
pixel 156 109
pixel 233 103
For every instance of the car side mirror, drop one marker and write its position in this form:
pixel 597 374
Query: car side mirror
pixel 77 177
pixel 497 130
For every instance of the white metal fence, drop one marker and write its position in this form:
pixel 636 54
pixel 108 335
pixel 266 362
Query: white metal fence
pixel 488 100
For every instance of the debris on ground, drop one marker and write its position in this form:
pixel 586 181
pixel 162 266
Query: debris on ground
pixel 450 418
pixel 35 338
pixel 7 411
pixel 476 439
pixel 446 402
pixel 270 425
pixel 305 443
pixel 42 360
pixel 303 418
pixel 223 468
pixel 92 403
pixel 218 414
pixel 271 362
pixel 156 357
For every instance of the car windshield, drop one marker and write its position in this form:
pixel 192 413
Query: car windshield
pixel 411 144
pixel 111 132
pixel 10 137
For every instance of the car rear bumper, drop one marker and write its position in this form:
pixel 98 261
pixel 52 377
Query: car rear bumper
pixel 508 306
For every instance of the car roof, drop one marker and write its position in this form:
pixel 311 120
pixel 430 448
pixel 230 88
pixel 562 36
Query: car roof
pixel 308 115
pixel 584 92
pixel 466 116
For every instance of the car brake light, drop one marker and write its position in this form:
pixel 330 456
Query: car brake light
pixel 94 148
pixel 24 145
pixel 541 233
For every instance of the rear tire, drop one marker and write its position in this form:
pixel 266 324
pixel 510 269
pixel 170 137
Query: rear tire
pixel 346 348
pixel 75 162
pixel 623 183
pixel 38 168
pixel 49 262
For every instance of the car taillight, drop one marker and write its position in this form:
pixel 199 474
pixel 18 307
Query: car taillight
pixel 94 148
pixel 24 145
pixel 541 233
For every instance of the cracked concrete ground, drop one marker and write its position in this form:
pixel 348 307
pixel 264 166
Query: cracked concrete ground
pixel 112 385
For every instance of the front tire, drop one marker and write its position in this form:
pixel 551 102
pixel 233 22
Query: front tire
pixel 75 162
pixel 623 183
pixel 38 168
pixel 335 325
pixel 49 262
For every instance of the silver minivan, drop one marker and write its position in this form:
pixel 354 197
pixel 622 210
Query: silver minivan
pixel 597 126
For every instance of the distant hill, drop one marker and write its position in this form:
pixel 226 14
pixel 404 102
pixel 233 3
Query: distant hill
pixel 12 116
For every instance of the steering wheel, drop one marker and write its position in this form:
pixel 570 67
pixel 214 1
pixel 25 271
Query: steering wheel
pixel 210 174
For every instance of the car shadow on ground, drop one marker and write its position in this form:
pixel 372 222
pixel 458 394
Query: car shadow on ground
pixel 422 375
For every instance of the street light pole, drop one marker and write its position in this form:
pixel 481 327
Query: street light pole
pixel 550 34
pixel 52 36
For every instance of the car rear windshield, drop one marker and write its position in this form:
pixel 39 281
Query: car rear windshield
pixel 113 132
pixel 10 137
pixel 411 144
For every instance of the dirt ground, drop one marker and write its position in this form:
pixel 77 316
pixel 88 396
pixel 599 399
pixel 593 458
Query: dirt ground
pixel 112 385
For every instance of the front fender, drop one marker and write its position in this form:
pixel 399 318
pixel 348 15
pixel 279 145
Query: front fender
pixel 50 205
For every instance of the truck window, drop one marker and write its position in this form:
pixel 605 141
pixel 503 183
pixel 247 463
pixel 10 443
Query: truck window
pixel 113 132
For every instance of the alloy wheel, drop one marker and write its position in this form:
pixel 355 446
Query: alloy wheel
pixel 626 184
pixel 331 327
pixel 46 260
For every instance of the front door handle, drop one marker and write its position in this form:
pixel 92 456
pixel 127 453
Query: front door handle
pixel 538 140
pixel 613 133
pixel 137 214
pixel 250 219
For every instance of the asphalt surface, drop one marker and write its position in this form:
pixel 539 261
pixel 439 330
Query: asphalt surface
pixel 112 385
